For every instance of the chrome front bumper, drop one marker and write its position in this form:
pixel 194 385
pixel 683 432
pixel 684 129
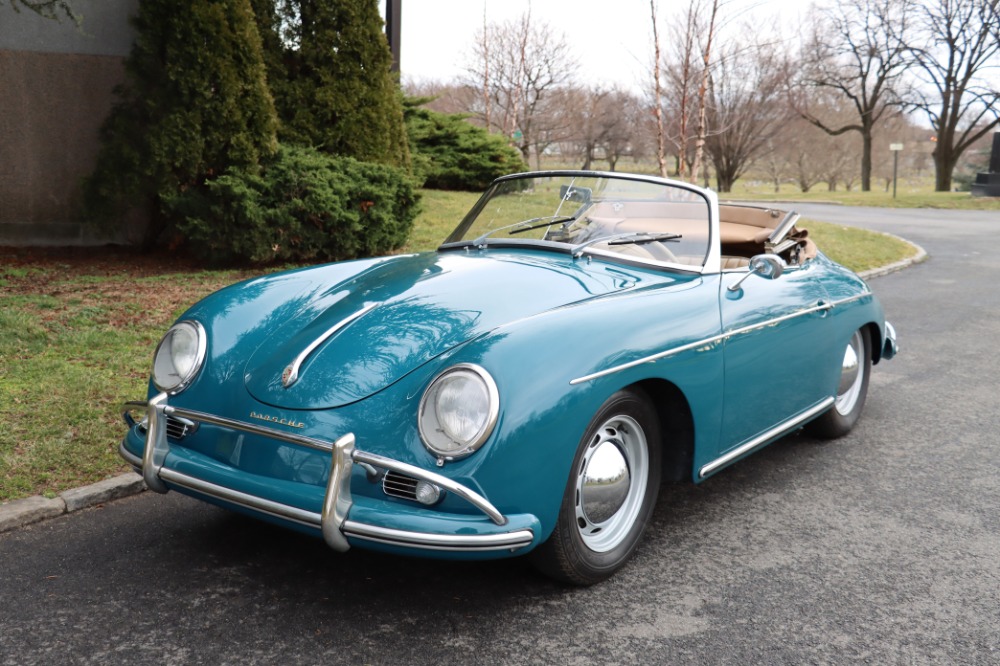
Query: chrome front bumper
pixel 333 521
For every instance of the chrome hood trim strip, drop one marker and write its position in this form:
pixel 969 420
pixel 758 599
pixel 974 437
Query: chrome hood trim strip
pixel 291 373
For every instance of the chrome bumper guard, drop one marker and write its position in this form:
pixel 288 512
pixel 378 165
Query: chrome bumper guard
pixel 333 521
pixel 890 348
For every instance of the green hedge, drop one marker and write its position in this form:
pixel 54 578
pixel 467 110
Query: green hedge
pixel 450 153
pixel 303 206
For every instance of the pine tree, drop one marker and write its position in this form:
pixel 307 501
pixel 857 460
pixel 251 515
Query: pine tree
pixel 195 103
pixel 332 82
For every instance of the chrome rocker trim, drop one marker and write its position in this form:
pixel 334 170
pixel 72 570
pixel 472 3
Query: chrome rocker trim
pixel 332 522
pixel 764 438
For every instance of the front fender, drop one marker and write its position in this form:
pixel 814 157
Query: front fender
pixel 554 371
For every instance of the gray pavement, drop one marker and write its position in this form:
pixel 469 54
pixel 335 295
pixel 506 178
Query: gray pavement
pixel 882 547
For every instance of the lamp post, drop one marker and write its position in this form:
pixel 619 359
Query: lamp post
pixel 393 12
pixel 895 148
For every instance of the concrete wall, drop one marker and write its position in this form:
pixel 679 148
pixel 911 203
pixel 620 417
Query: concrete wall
pixel 56 83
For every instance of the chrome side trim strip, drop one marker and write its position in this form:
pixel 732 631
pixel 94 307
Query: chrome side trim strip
pixel 649 359
pixel 764 438
pixel 456 542
pixel 819 307
pixel 291 373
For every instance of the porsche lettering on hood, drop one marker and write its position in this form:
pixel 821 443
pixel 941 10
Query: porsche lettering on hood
pixel 392 319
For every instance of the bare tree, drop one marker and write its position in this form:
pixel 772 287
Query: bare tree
pixel 961 41
pixel 626 111
pixel 706 61
pixel 600 123
pixel 775 164
pixel 810 156
pixel 485 46
pixel 661 143
pixel 858 51
pixel 746 107
pixel 517 64
pixel 591 119
pixel 681 72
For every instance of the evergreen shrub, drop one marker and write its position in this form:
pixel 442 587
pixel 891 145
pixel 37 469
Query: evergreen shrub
pixel 449 153
pixel 302 206
pixel 329 68
pixel 194 103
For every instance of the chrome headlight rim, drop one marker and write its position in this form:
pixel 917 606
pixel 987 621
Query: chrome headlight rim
pixel 428 435
pixel 201 352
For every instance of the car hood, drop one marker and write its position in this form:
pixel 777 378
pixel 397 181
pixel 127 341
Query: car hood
pixel 366 332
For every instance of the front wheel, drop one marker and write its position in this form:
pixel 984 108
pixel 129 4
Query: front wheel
pixel 851 393
pixel 610 494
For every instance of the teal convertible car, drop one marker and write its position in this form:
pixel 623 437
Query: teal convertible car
pixel 580 338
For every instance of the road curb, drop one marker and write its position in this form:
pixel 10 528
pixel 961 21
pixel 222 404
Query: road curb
pixel 920 256
pixel 19 513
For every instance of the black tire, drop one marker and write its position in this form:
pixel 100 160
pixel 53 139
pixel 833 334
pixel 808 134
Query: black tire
pixel 601 518
pixel 850 400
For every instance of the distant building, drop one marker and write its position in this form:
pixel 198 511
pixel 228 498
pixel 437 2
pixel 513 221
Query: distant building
pixel 56 83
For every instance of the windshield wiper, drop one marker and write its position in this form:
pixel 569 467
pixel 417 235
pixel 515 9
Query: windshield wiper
pixel 522 226
pixel 644 237
pixel 550 220
pixel 630 238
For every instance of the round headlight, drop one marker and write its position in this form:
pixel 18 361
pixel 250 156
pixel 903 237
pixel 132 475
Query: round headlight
pixel 179 357
pixel 458 411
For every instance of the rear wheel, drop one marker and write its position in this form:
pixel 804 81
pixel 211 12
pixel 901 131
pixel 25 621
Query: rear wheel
pixel 851 393
pixel 610 493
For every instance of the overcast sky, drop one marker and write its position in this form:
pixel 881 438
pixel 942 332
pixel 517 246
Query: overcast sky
pixel 611 38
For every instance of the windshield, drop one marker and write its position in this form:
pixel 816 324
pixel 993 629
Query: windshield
pixel 601 214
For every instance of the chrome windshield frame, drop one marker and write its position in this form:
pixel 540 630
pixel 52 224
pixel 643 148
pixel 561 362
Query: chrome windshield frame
pixel 711 265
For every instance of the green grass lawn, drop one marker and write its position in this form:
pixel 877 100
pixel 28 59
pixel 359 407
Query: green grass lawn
pixel 921 198
pixel 77 334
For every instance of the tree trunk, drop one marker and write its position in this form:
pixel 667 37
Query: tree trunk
pixel 724 180
pixel 866 160
pixel 944 166
pixel 661 152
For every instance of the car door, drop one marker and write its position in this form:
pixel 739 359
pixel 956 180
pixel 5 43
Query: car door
pixel 774 334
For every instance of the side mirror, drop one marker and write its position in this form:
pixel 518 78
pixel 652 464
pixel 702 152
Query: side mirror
pixel 574 193
pixel 768 266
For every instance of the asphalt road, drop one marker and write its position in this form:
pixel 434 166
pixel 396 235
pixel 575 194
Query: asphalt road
pixel 882 547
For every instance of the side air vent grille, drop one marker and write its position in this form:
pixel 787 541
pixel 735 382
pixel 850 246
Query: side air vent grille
pixel 399 485
pixel 177 428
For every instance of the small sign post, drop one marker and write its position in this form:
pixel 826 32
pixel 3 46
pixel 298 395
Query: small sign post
pixel 895 148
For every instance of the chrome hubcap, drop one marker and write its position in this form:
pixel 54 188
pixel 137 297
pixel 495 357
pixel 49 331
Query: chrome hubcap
pixel 611 483
pixel 605 483
pixel 851 376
